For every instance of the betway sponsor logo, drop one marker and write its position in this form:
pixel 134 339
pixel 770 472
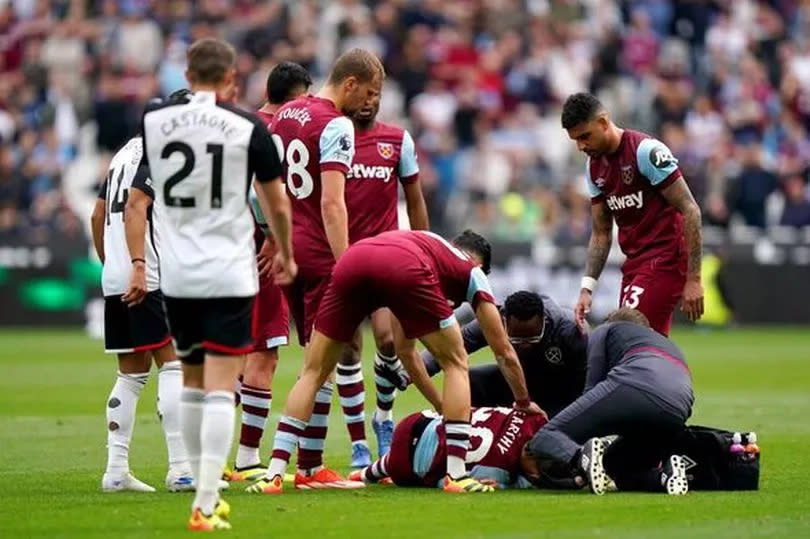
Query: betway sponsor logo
pixel 633 200
pixel 377 172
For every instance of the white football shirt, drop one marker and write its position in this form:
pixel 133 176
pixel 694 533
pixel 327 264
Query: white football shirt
pixel 125 171
pixel 202 156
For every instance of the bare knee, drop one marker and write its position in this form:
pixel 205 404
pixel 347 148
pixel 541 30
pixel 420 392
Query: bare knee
pixel 164 354
pixel 385 344
pixel 351 354
pixel 260 367
pixel 134 363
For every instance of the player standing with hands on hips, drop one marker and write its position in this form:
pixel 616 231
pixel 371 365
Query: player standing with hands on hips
pixel 202 154
pixel 634 179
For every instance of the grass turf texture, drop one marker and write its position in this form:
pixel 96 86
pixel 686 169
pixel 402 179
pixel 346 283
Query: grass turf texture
pixel 52 453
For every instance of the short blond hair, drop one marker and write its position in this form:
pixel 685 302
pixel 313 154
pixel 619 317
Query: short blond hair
pixel 358 63
pixel 209 59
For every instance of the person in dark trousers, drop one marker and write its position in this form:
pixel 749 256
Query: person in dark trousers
pixel 551 348
pixel 639 387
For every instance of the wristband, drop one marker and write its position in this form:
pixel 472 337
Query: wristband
pixel 523 403
pixel 588 283
pixel 138 260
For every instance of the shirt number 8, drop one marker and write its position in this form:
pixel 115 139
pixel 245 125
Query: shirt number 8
pixel 296 159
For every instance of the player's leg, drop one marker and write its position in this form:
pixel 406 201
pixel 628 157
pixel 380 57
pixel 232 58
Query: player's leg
pixel 320 359
pixel 133 371
pixel 340 313
pixel 226 339
pixel 271 321
pixel 311 444
pixel 352 399
pixel 256 398
pixel 656 294
pixel 170 387
pixel 644 461
pixel 447 347
pixel 389 374
pixel 148 326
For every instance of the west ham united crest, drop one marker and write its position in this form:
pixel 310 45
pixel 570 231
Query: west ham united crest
pixel 385 149
pixel 627 174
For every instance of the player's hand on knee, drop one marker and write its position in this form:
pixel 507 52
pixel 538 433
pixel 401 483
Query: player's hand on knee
pixel 136 290
pixel 693 300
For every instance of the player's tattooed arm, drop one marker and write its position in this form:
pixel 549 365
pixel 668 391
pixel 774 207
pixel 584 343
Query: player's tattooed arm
pixel 679 196
pixel 601 239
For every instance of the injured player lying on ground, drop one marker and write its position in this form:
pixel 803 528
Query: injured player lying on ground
pixel 496 454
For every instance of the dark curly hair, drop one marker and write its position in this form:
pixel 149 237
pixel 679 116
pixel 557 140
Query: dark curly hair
pixel 580 108
pixel 523 305
pixel 286 77
pixel 475 244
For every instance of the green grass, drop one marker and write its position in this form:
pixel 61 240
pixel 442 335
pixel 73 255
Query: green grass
pixel 52 436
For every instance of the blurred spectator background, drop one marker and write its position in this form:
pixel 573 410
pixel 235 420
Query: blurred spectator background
pixel 726 84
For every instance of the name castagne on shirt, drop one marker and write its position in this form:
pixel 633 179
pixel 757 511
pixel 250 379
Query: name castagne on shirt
pixel 195 118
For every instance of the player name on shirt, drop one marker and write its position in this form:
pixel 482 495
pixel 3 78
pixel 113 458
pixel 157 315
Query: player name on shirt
pixel 193 118
pixel 512 432
pixel 299 114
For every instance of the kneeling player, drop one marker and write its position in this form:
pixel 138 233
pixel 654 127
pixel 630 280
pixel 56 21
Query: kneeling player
pixel 638 387
pixel 136 333
pixel 495 455
pixel 427 276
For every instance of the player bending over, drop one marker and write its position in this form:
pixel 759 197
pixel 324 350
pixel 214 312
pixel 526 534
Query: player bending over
pixel 137 333
pixel 384 157
pixel 419 276
pixel 550 346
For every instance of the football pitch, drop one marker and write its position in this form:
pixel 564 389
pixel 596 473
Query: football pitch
pixel 52 453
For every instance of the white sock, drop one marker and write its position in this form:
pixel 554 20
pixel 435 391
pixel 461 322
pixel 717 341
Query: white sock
pixel 121 406
pixel 170 384
pixel 216 435
pixel 383 415
pixel 191 413
pixel 247 456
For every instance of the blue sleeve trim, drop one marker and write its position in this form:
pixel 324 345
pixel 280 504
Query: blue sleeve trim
pixel 408 165
pixel 655 161
pixel 255 207
pixel 337 142
pixel 593 190
pixel 478 283
pixel 426 448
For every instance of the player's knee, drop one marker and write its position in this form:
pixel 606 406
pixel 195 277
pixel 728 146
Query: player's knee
pixel 136 362
pixel 385 345
pixel 260 367
pixel 350 354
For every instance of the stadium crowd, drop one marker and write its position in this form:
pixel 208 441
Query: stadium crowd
pixel 725 84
